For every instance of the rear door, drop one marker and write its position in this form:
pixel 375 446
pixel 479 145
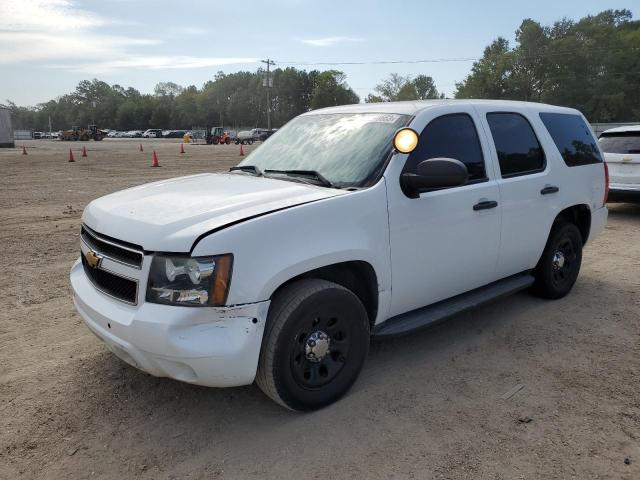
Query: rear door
pixel 622 154
pixel 527 191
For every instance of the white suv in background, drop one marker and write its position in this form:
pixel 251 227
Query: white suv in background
pixel 351 221
pixel 621 147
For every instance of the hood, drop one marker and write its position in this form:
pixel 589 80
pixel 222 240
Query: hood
pixel 170 215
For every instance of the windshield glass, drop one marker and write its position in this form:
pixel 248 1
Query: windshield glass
pixel 346 149
pixel 624 142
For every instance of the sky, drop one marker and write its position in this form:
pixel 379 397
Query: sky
pixel 48 46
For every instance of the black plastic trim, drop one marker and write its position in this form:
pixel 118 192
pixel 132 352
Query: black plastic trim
pixel 437 312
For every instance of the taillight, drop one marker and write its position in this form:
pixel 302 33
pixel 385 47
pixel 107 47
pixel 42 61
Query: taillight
pixel 606 183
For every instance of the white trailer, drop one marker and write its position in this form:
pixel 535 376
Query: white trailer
pixel 6 131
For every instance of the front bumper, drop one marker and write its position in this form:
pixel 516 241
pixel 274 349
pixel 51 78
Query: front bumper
pixel 210 346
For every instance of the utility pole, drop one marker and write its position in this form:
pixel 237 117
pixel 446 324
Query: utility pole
pixel 268 84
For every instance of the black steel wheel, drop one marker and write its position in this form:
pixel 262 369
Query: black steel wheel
pixel 315 343
pixel 320 350
pixel 559 266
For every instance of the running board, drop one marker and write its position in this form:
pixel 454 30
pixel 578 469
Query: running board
pixel 437 312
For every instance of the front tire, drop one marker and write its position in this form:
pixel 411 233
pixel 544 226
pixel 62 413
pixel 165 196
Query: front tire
pixel 315 344
pixel 558 268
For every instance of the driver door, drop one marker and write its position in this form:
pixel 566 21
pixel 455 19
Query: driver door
pixel 445 242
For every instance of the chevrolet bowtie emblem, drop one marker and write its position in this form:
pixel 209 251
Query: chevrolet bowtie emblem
pixel 92 258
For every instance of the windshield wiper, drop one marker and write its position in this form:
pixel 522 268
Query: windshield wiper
pixel 304 173
pixel 247 168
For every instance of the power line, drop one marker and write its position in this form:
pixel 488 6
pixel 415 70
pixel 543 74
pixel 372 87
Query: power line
pixel 380 62
pixel 565 52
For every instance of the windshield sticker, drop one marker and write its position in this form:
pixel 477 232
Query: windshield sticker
pixel 384 118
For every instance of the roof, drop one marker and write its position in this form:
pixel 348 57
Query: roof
pixel 413 107
pixel 624 129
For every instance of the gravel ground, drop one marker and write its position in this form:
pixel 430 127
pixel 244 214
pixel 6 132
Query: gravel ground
pixel 430 405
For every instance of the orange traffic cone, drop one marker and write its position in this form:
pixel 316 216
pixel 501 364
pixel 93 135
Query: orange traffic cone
pixel 155 160
pixel 84 151
pixel 182 148
pixel 141 148
pixel 241 151
pixel 71 156
pixel 24 150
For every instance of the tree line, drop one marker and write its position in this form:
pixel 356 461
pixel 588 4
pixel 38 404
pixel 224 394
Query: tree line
pixel 236 99
pixel 592 64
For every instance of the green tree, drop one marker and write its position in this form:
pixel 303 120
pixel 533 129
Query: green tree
pixel 591 64
pixel 397 88
pixel 489 76
pixel 330 89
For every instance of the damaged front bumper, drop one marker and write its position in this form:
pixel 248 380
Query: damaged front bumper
pixel 210 346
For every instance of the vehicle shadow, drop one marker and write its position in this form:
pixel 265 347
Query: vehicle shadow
pixel 183 421
pixel 624 211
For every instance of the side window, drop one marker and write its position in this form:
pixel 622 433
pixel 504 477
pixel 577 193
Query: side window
pixel 518 148
pixel 450 136
pixel 573 138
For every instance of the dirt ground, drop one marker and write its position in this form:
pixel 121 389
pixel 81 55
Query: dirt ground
pixel 430 405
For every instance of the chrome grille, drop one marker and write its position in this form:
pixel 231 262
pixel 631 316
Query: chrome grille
pixel 109 283
pixel 118 251
pixel 113 266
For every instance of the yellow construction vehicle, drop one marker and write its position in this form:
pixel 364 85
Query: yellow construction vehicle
pixel 83 134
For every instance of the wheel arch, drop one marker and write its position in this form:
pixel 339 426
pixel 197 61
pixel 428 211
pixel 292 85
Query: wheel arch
pixel 579 215
pixel 357 276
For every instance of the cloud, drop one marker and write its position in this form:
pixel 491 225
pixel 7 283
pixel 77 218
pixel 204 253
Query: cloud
pixel 18 47
pixel 60 34
pixel 153 62
pixel 45 15
pixel 330 41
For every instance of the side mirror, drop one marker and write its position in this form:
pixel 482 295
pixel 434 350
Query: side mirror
pixel 434 173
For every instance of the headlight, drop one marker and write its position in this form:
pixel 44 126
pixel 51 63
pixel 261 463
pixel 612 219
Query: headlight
pixel 189 281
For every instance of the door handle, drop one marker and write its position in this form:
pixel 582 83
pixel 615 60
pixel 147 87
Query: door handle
pixel 485 205
pixel 549 189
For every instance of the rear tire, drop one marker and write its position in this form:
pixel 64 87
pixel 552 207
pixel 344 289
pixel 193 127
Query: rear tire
pixel 314 346
pixel 559 265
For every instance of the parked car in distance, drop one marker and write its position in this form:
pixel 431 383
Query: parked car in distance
pixel 246 137
pixel 621 147
pixel 133 134
pixel 175 134
pixel 262 133
pixel 152 133
pixel 353 221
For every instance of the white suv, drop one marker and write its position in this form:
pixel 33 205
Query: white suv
pixel 349 222
pixel 621 147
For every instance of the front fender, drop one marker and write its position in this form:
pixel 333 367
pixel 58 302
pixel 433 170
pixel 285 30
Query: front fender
pixel 273 248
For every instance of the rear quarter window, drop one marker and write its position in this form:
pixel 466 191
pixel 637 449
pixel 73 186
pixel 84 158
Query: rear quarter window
pixel 573 138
